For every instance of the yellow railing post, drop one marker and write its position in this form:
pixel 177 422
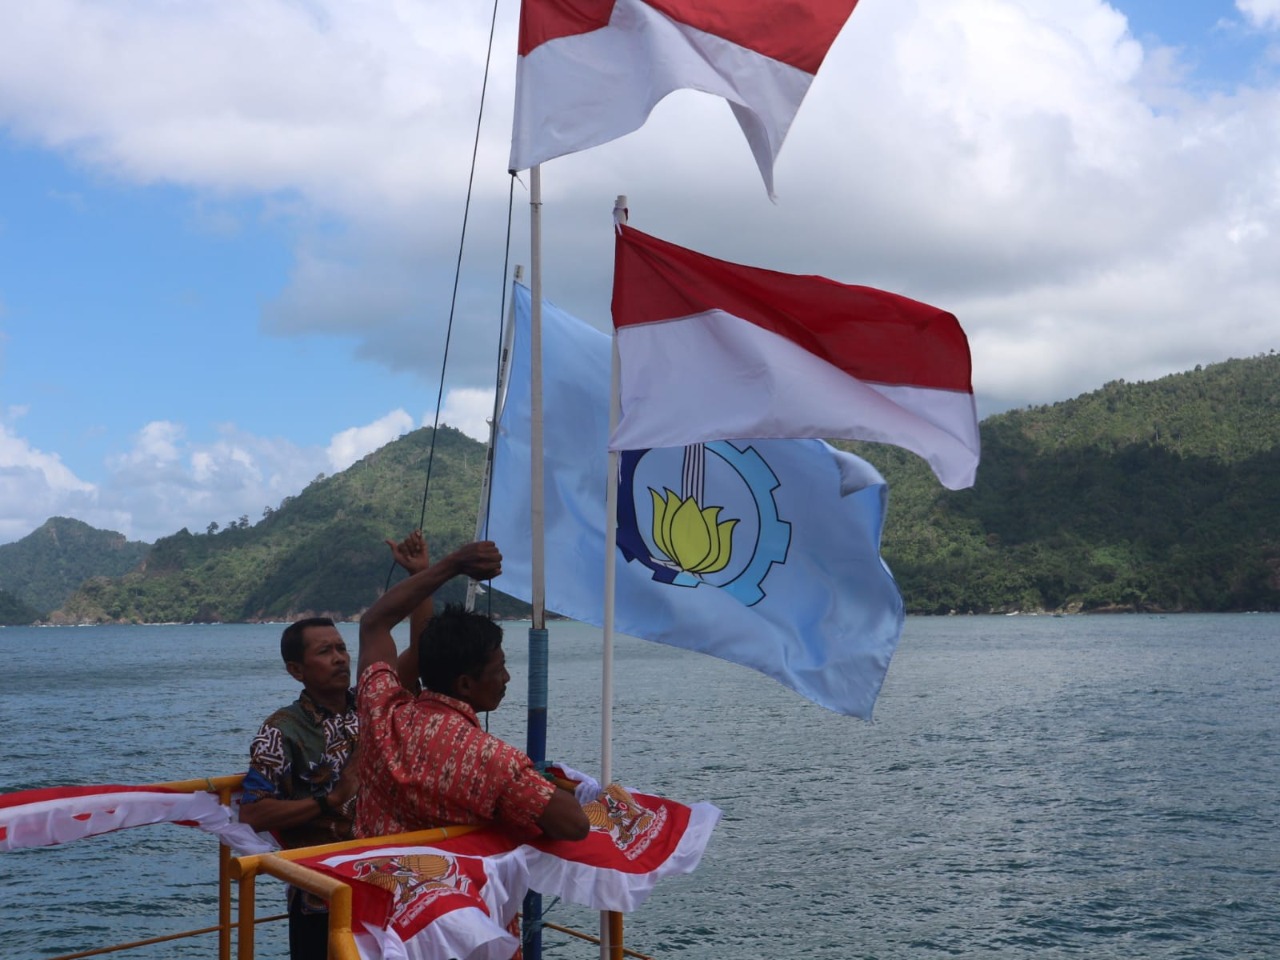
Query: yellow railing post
pixel 224 903
pixel 615 935
pixel 224 887
pixel 248 905
pixel 223 787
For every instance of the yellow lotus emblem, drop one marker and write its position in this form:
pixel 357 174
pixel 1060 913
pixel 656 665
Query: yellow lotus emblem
pixel 694 538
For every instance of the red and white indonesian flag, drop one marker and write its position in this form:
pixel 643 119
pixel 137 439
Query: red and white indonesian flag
pixel 41 818
pixel 590 71
pixel 455 898
pixel 711 350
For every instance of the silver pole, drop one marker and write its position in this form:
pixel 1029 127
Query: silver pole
pixel 610 583
pixel 499 400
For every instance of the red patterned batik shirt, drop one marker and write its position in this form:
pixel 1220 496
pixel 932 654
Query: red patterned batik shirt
pixel 425 762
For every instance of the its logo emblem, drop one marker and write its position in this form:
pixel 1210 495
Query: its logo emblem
pixel 407 877
pixel 616 813
pixel 702 515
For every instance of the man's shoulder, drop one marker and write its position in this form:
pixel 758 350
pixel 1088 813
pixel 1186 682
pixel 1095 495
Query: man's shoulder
pixel 379 672
pixel 287 716
pixel 496 747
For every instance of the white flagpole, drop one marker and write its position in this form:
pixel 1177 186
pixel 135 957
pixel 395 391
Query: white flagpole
pixel 610 581
pixel 536 496
pixel 539 643
pixel 610 553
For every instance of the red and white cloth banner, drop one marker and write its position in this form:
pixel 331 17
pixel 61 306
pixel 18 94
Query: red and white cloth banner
pixel 711 350
pixel 590 71
pixel 41 818
pixel 455 898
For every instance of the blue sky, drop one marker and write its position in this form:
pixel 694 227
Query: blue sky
pixel 228 229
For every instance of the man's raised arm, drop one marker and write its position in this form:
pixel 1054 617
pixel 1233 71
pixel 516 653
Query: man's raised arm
pixel 480 561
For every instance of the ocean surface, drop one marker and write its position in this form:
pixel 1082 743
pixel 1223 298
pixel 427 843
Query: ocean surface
pixel 1102 787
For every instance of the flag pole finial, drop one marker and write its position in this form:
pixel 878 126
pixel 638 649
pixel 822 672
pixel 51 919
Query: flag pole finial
pixel 620 211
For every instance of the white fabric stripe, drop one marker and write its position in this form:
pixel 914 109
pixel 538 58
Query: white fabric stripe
pixel 725 378
pixel 53 821
pixel 577 92
pixel 467 932
pixel 603 889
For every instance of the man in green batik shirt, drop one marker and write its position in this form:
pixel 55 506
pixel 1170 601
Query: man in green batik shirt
pixel 302 785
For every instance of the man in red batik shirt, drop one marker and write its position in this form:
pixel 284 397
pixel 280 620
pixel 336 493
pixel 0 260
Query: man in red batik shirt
pixel 424 761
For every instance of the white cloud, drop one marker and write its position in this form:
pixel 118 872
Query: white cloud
pixel 350 445
pixel 1027 164
pixel 1261 13
pixel 161 484
pixel 468 409
pixel 258 95
pixel 164 481
pixel 35 485
pixel 155 447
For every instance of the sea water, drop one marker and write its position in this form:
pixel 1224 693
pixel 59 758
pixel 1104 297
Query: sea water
pixel 1103 787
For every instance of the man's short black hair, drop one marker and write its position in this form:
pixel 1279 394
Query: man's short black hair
pixel 292 645
pixel 455 643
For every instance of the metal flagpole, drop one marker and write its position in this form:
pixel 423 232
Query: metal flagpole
pixel 610 581
pixel 538 642
pixel 610 554
pixel 499 398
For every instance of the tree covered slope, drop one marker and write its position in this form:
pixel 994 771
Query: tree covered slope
pixel 1140 496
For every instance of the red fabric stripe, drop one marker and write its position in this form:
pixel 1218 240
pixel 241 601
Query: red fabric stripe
pixel 543 20
pixel 23 797
pixel 600 850
pixel 795 32
pixel 875 336
pixel 370 903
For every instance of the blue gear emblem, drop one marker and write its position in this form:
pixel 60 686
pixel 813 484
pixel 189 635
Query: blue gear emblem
pixel 737 481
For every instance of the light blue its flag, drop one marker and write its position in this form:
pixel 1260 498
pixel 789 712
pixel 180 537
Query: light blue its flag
pixel 765 553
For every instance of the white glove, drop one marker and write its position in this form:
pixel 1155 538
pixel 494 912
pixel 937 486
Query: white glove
pixel 588 787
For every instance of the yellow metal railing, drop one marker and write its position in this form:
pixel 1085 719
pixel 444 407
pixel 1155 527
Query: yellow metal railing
pixel 244 870
pixel 342 944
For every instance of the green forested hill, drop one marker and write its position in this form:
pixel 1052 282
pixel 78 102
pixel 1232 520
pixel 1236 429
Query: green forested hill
pixel 14 611
pixel 1149 496
pixel 43 568
pixel 1159 496
pixel 320 552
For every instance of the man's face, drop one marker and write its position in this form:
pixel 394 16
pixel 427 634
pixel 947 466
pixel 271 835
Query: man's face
pixel 326 665
pixel 486 691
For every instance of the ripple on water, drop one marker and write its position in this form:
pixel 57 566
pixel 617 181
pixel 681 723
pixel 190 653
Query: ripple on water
pixel 1070 787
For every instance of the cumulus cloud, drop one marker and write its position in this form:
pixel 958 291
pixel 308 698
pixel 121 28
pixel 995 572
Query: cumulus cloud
pixel 468 409
pixel 164 481
pixel 1024 163
pixel 35 485
pixel 1064 187
pixel 350 445
pixel 1261 13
